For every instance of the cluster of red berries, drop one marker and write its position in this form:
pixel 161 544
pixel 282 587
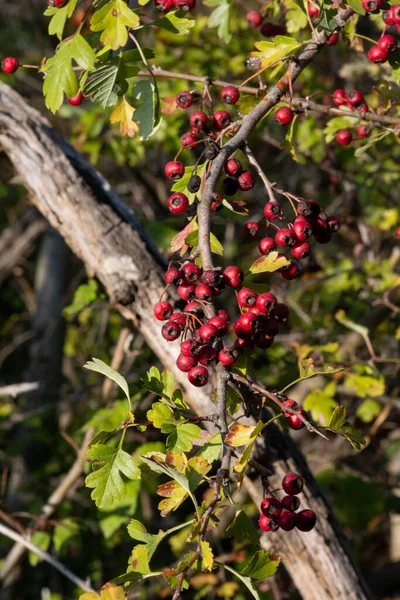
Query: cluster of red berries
pixel 379 53
pixel 201 337
pixel 355 101
pixel 281 514
pixel 293 418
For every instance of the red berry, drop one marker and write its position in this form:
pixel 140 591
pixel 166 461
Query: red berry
pixel 164 5
pixel 313 10
pixel 162 311
pixel 378 55
pixel 302 229
pixel 246 180
pixel 398 233
pixel 272 210
pixel 198 376
pixel 284 237
pixel 173 275
pixel 9 65
pixel 307 208
pixel 224 315
pixel 301 251
pixel 170 331
pixel 76 100
pixel 211 278
pixel 266 302
pixel 344 137
pixel 339 97
pixel 306 519
pixel 387 43
pixel 190 347
pixel 333 39
pixel 284 115
pixel 185 363
pixel 248 324
pixel 228 356
pixel 363 131
pixel 208 332
pixel 178 203
pixel 56 3
pixel 287 521
pixel 184 99
pixel 221 119
pixel 174 170
pixel 292 484
pixel 291 404
pixel 186 291
pixel 241 344
pixel 188 139
pixel 250 229
pixel 207 356
pixel 389 17
pixel 204 292
pixel 291 272
pixel 334 224
pixel 233 276
pixel 221 324
pixel 230 94
pixel 267 524
pixel 233 167
pixel 199 121
pixel 191 272
pixel 184 4
pixel 291 503
pixel 271 507
pixel 266 245
pixel 295 422
pixel 179 319
pixel 355 98
pixel 229 186
pixel 194 308
pixel 247 297
pixel 371 6
pixel 253 19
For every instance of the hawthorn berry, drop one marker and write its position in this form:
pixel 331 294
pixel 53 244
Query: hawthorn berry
pixel 248 323
pixel 179 319
pixel 194 307
pixel 246 180
pixel 170 331
pixel 173 275
pixel 207 356
pixel 340 97
pixel 302 229
pixel 204 292
pixel 221 119
pixel 344 137
pixel 192 272
pixel 272 29
pixel 306 519
pixel 233 167
pixel 221 324
pixel 263 340
pixel 186 291
pixel 198 121
pixel 184 99
pixel 208 332
pixel 164 5
pixel 291 503
pixel 178 203
pixel 247 297
pixel 184 4
pixel 307 208
pixel 76 100
pixel 229 186
pixel 312 10
pixel 334 224
pixel 271 507
pixel 198 376
pixel 185 363
pixel 272 210
pixel 253 19
pixel 387 43
pixel 224 315
pixel 250 229
pixel 378 55
pixel 174 170
pixel 228 356
pixel 284 115
pixel 211 277
pixel 233 276
pixel 56 3
pixel 284 237
pixel 162 311
pixel 266 302
pixel 230 94
pixel 190 347
pixel 267 524
pixel 294 420
pixel 266 245
pixel 371 6
pixel 355 98
pixel 9 65
pixel 241 344
pixel 188 139
pixel 292 484
pixel 301 250
pixel 194 184
pixel 280 312
pixel 333 39
pixel 388 17
pixel 287 520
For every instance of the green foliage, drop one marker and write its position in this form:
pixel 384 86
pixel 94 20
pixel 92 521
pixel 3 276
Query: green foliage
pixel 113 20
pixel 220 18
pixel 84 295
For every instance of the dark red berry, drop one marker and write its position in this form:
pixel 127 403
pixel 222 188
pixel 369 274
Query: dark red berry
pixel 233 167
pixel 266 302
pixel 184 99
pixel 284 237
pixel 263 340
pixel 230 94
pixel 174 170
pixel 221 324
pixel 247 298
pixel 334 224
pixel 207 356
pixel 198 376
pixel 287 520
pixel 355 98
pixel 291 272
pixel 76 100
pixel 199 121
pixel 284 115
pixel 179 319
pixel 178 203
pixel 302 230
pixel 292 484
pixel 280 312
pixel 339 97
pixel 188 139
pixel 344 137
pixel 228 356
pixel 173 275
pixel 221 119
pixel 250 229
pixel 170 331
pixel 241 344
pixel 291 503
pixel 306 519
pixel 272 210
pixel 378 55
pixel 208 332
pixel 307 208
pixel 204 292
pixel 162 311
pixel 363 131
pixel 301 250
pixel 387 43
pixel 294 420
pixel 291 404
pixel 246 180
pixel 190 347
pixel 267 524
pixel 185 363
pixel 229 186
pixel 56 3
pixel 186 291
pixel 194 308
pixel 271 507
pixel 272 29
pixel 192 272
pixel 253 19
pixel 211 277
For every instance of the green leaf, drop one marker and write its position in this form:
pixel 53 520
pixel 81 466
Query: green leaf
pixel 212 448
pixel 41 539
pixel 182 437
pixel 242 529
pixel 368 410
pixel 65 532
pixel 109 82
pixel 370 144
pixel 152 381
pixel 99 366
pixel 85 294
pixel 245 580
pixel 148 113
pixel 162 417
pixel 220 18
pixel 356 6
pixel 296 18
pixel 261 565
pixel 113 20
pixel 321 403
pixel 339 426
pixel 168 382
pixel 365 382
pixel 60 77
pixel 334 125
pixel 278 48
pixel 308 369
pixel 176 23
pixel 326 19
pixel 216 245
pixel 112 520
pixel 107 482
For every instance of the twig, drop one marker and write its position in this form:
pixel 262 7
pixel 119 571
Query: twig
pixel 253 161
pixel 16 389
pixel 13 535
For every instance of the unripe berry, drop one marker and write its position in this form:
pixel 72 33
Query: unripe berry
pixel 295 422
pixel 190 347
pixel 221 119
pixel 230 94
pixel 192 272
pixel 247 298
pixel 233 276
pixel 9 65
pixel 267 524
pixel 292 484
pixel 253 19
pixel 284 115
pixel 339 97
pixel 301 250
pixel 184 99
pixel 246 180
pixel 185 363
pixel 291 503
pixel 178 203
pixel 233 167
pixel 170 331
pixel 208 332
pixel 228 356
pixel 76 100
pixel 229 186
pixel 220 324
pixel 162 311
pixel 184 4
pixel 371 6
pixel 272 210
pixel 198 376
pixel 174 170
pixel 387 43
pixel 207 356
pixel 198 121
pixel 266 302
pixel 266 245
pixel 284 237
pixel 378 55
pixel 204 292
pixel 186 291
pixel 344 137
pixel 188 139
pixel 306 519
pixel 271 507
pixel 250 229
pixel 287 521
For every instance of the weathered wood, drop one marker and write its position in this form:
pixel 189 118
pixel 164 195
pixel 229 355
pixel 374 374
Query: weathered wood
pixel 106 235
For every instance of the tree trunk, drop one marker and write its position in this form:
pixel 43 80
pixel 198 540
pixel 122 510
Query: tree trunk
pixel 106 235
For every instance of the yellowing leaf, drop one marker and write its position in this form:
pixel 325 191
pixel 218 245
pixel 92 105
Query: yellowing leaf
pixel 123 115
pixel 269 263
pixel 114 19
pixel 110 591
pixel 240 435
pixel 178 242
pixel 89 596
pixel 174 494
pixel 272 51
pixel 168 105
pixel 207 556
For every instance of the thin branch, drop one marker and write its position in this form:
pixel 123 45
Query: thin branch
pixel 253 161
pixel 13 535
pixel 16 389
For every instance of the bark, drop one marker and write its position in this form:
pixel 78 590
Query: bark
pixel 106 235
